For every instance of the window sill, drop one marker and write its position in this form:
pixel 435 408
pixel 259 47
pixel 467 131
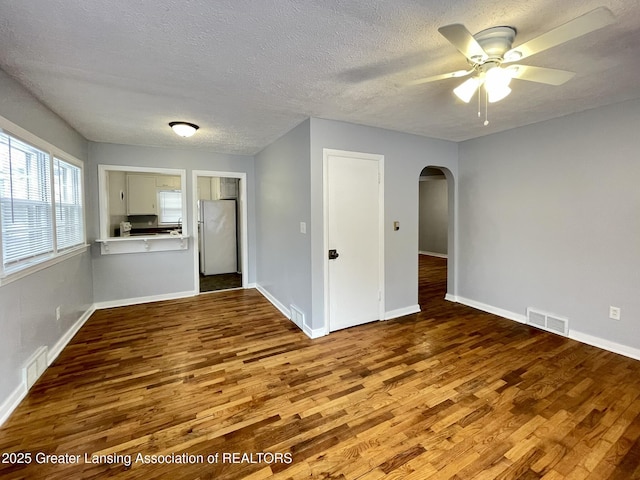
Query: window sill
pixel 143 244
pixel 24 271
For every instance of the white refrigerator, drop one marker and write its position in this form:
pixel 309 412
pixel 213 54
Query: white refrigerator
pixel 217 237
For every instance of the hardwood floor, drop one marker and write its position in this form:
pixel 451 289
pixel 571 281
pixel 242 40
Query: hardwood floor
pixel 448 393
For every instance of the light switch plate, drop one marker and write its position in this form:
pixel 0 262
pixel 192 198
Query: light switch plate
pixel 303 227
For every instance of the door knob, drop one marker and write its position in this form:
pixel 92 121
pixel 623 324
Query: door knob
pixel 333 254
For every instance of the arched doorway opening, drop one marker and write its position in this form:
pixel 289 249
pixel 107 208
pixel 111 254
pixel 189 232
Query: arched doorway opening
pixel 436 255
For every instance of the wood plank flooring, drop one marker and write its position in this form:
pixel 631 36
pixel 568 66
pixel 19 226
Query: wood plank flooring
pixel 448 393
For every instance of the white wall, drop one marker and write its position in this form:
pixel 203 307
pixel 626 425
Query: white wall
pixel 27 306
pixel 549 217
pixel 434 216
pixel 135 275
pixel 282 202
pixel 405 156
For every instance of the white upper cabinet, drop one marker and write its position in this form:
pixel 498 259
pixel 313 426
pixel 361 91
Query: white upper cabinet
pixel 141 195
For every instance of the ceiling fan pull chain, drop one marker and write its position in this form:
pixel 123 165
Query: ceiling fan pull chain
pixel 479 107
pixel 486 107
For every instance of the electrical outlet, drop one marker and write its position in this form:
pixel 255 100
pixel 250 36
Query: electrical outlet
pixel 614 313
pixel 58 312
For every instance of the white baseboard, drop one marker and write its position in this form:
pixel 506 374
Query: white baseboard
pixel 451 298
pixel 401 312
pixel 251 285
pixel 433 254
pixel 605 344
pixel 274 301
pixel 517 317
pixel 608 345
pixel 12 402
pixel 308 331
pixel 68 335
pixel 313 332
pixel 137 300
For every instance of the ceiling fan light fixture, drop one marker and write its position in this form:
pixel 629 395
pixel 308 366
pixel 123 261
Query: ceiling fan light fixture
pixel 497 94
pixel 184 129
pixel 466 89
pixel 496 83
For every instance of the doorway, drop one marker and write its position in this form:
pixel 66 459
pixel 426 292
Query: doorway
pixel 354 238
pixel 220 236
pixel 435 235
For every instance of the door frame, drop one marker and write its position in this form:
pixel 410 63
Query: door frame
pixel 326 153
pixel 242 201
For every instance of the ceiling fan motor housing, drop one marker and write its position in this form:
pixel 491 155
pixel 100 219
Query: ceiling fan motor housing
pixel 495 41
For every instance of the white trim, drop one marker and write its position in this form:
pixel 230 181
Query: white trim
pixel 309 332
pixel 598 342
pixel 142 244
pixel 103 194
pixel 244 222
pixel 517 317
pixel 433 254
pixel 252 285
pixel 25 267
pixel 16 130
pixel 14 399
pixel 137 300
pixel 12 402
pixel 401 312
pixel 46 263
pixel 313 332
pixel 608 345
pixel 326 152
pixel 53 353
pixel 451 298
pixel 274 301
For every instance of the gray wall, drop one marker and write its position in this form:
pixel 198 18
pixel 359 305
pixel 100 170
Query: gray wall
pixel 434 216
pixel 405 156
pixel 549 217
pixel 133 275
pixel 282 202
pixel 27 306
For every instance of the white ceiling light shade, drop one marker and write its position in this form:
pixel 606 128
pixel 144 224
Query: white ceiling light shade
pixel 466 89
pixel 184 129
pixel 496 84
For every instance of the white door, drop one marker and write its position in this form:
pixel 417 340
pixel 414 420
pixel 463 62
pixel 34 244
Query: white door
pixel 353 203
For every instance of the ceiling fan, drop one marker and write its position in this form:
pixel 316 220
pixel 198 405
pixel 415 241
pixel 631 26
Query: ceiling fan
pixel 488 50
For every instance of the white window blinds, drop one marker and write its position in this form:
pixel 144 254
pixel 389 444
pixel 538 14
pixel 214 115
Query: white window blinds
pixel 170 203
pixel 25 195
pixel 41 205
pixel 69 218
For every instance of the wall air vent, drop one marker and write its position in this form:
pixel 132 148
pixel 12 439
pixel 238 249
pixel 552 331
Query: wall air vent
pixel 548 321
pixel 297 316
pixel 36 365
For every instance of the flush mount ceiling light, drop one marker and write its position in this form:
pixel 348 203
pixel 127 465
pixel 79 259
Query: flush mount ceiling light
pixel 184 129
pixel 489 49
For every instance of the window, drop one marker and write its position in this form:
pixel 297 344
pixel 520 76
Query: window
pixel 170 207
pixel 69 218
pixel 41 211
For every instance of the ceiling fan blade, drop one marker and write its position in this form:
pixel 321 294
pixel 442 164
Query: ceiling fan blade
pixel 550 76
pixel 589 22
pixel 460 37
pixel 459 73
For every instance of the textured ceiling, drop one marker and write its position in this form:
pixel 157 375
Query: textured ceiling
pixel 247 71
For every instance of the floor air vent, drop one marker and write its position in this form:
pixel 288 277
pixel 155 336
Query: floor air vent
pixel 547 321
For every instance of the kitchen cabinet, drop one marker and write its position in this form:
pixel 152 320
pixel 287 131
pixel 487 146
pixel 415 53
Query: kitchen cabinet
pixel 141 195
pixel 168 182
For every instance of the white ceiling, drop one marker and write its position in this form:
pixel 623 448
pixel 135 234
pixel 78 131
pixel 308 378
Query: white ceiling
pixel 247 71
